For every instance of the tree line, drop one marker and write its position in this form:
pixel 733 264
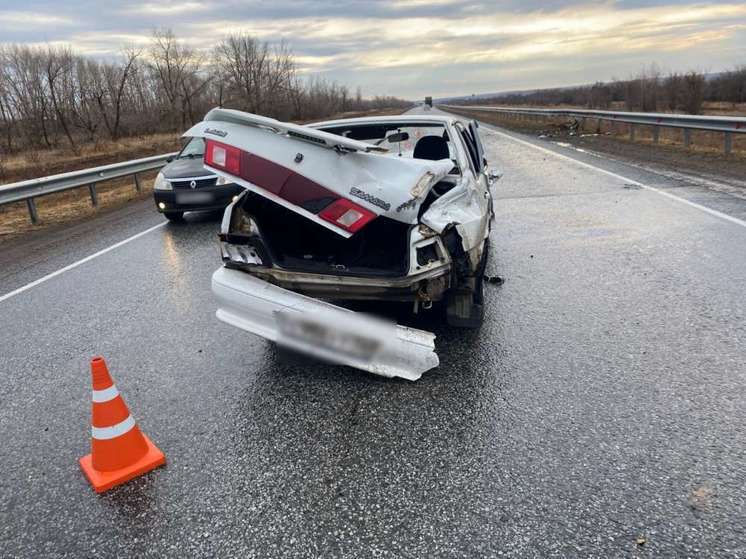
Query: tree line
pixel 648 91
pixel 51 96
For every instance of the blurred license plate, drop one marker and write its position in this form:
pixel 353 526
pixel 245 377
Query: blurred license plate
pixel 193 197
pixel 307 330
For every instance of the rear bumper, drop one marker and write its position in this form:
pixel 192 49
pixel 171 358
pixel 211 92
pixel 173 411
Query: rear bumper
pixel 261 308
pixel 206 198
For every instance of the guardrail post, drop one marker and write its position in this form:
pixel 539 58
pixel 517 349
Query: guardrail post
pixel 728 142
pixel 631 132
pixel 137 183
pixel 94 194
pixel 687 138
pixel 598 126
pixel 656 134
pixel 31 205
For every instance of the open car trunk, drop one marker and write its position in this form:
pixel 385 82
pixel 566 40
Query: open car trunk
pixel 296 243
pixel 338 183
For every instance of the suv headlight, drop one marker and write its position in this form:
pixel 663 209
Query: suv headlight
pixel 221 181
pixel 161 183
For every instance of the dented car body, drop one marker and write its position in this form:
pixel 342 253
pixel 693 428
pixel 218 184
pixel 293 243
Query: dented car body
pixel 379 208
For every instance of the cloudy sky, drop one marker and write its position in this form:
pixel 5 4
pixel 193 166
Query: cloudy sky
pixel 412 48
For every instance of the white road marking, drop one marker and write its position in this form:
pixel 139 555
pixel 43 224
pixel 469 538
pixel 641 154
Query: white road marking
pixel 700 207
pixel 78 263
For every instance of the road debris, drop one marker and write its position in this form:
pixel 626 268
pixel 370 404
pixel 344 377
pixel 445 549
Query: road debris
pixel 700 498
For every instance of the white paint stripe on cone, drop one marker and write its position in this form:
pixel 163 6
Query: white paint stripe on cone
pixel 106 433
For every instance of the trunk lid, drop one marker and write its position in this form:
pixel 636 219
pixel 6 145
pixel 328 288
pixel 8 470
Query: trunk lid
pixel 328 179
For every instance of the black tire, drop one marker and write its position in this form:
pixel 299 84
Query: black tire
pixel 175 217
pixel 465 304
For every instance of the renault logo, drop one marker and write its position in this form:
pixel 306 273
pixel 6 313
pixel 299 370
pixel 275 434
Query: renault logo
pixel 193 184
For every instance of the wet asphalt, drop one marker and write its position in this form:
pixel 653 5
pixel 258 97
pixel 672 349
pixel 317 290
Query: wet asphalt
pixel 600 410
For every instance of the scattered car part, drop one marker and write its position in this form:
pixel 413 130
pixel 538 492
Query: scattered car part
pixel 322 329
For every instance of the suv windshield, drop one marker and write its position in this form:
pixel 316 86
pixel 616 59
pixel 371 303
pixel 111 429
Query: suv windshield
pixel 194 148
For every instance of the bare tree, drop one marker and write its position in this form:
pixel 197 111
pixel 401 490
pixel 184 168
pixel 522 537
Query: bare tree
pixel 7 113
pixel 694 87
pixel 671 91
pixel 599 96
pixel 256 77
pixel 58 68
pixel 84 106
pixel 48 94
pixel 117 85
pixel 177 68
pixel 648 90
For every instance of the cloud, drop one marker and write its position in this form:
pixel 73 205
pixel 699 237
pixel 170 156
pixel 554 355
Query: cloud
pixel 413 47
pixel 167 8
pixel 498 38
pixel 30 20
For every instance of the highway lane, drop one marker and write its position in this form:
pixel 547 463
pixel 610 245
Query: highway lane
pixel 602 401
pixel 26 259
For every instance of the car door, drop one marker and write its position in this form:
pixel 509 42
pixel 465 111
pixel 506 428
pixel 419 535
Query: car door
pixel 473 131
pixel 482 199
pixel 484 170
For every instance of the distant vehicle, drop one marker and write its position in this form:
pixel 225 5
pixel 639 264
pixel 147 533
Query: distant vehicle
pixel 184 185
pixel 429 101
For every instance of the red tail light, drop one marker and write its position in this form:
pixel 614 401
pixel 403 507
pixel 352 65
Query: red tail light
pixel 222 156
pixel 347 215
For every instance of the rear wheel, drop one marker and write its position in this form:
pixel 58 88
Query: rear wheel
pixel 465 303
pixel 174 216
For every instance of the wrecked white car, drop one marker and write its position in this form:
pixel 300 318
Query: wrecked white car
pixel 381 208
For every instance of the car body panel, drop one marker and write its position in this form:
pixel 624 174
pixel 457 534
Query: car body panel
pixel 206 198
pixel 379 183
pixel 310 325
pixel 185 168
pixel 287 129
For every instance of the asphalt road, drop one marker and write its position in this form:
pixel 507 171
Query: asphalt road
pixel 603 401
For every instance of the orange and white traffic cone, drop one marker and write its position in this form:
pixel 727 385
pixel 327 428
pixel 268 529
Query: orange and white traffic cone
pixel 119 450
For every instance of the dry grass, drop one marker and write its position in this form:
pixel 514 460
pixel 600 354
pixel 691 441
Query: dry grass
pixel 72 205
pixel 701 140
pixel 725 109
pixel 41 163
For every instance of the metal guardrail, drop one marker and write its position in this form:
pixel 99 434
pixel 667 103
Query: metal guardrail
pixel 728 125
pixel 30 189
